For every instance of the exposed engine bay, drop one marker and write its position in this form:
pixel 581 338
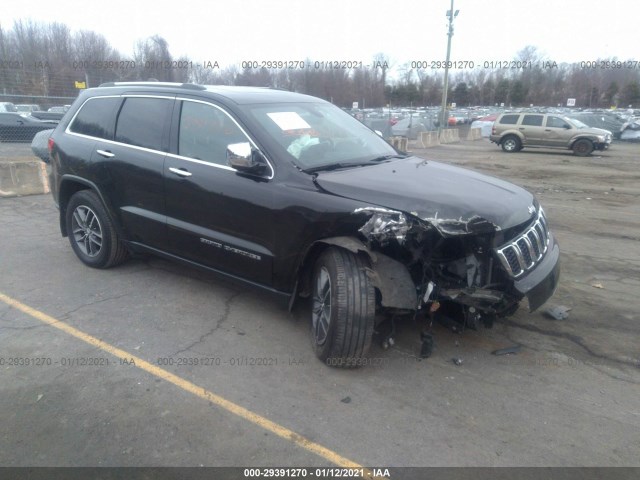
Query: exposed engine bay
pixel 452 266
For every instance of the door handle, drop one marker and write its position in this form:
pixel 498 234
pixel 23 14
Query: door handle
pixel 179 171
pixel 106 153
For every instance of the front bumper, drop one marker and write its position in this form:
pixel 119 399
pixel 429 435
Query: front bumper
pixel 541 282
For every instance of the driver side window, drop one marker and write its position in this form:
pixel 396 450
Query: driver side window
pixel 556 122
pixel 205 131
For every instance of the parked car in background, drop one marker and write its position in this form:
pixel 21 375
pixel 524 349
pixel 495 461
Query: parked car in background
pixel 514 131
pixel 7 107
pixel 40 145
pixel 51 117
pixel 16 128
pixel 485 124
pixel 412 126
pixel 59 109
pixel 27 109
pixel 631 130
pixel 601 120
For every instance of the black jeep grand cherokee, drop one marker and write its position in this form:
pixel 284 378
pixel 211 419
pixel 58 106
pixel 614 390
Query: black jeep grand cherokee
pixel 287 192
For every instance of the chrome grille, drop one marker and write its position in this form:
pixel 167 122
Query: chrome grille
pixel 527 249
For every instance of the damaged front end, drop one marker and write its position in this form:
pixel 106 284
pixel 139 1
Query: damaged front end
pixel 463 272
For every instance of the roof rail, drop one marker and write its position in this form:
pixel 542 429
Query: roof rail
pixel 189 86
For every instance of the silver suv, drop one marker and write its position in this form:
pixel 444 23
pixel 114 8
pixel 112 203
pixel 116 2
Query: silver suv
pixel 514 131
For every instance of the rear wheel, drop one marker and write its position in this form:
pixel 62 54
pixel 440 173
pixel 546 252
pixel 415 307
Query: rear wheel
pixel 91 232
pixel 583 147
pixel 342 309
pixel 511 144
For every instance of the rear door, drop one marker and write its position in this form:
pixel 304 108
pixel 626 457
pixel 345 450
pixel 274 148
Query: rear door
pixel 532 129
pixel 132 166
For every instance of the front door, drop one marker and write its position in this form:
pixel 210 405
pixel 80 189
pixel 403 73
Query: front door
pixel 558 132
pixel 216 216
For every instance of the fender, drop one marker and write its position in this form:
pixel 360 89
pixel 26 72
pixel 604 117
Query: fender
pixel 66 180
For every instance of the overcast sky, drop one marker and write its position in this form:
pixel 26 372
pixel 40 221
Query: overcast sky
pixel 405 30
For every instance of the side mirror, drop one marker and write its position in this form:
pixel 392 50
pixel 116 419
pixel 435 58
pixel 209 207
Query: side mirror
pixel 567 127
pixel 245 159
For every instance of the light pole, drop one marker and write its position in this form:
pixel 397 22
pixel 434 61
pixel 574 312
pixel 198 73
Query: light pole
pixel 451 14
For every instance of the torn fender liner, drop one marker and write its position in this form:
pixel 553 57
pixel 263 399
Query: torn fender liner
pixel 542 281
pixel 388 275
pixel 349 243
pixel 394 282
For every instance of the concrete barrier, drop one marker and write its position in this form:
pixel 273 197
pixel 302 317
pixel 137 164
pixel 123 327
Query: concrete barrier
pixel 449 135
pixel 428 139
pixel 474 134
pixel 401 143
pixel 23 177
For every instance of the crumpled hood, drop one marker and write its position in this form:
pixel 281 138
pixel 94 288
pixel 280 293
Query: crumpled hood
pixel 436 192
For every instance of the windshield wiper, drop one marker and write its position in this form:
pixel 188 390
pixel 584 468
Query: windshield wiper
pixel 334 166
pixel 388 157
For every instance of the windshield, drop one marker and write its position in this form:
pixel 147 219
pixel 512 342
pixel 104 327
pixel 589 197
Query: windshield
pixel 318 135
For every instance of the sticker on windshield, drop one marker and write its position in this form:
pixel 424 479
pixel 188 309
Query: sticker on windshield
pixel 288 120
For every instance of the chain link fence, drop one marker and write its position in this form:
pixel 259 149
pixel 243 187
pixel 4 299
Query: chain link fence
pixel 22 116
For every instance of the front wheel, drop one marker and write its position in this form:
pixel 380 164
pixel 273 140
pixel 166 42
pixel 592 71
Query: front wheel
pixel 583 147
pixel 342 309
pixel 91 232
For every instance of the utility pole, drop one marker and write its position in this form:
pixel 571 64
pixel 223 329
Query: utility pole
pixel 451 14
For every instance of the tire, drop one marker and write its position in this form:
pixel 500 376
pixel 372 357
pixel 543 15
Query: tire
pixel 511 144
pixel 91 233
pixel 342 309
pixel 583 147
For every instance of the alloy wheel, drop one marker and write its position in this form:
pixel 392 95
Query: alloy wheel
pixel 321 307
pixel 87 231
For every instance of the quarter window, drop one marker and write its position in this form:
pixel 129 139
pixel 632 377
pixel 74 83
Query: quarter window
pixel 95 118
pixel 141 122
pixel 533 120
pixel 205 132
pixel 509 119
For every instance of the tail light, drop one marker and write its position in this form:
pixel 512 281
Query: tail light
pixel 50 145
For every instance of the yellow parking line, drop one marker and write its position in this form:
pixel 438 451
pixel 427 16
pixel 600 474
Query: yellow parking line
pixel 186 385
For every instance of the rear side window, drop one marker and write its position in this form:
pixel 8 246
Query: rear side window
pixel 509 119
pixel 142 121
pixel 533 120
pixel 95 117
